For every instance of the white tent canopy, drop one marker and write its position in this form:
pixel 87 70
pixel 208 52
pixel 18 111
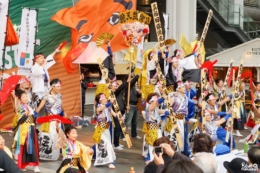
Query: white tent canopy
pixel 249 52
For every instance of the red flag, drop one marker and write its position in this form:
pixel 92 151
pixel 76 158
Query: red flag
pixel 50 118
pixel 209 65
pixel 11 36
pixel 87 24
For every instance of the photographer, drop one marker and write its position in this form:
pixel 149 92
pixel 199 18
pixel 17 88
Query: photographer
pixel 165 157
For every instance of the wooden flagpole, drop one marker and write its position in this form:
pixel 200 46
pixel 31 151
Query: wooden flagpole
pixel 115 104
pixel 161 77
pixel 130 72
pixel 203 73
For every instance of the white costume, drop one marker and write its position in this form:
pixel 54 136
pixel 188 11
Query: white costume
pixel 188 62
pixel 39 86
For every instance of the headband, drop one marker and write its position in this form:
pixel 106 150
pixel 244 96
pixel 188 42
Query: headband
pixel 159 84
pixel 152 54
pixel 114 83
pixel 154 98
pixel 180 84
pixel 178 52
pixel 174 59
pixel 38 56
pixel 211 97
pixel 102 97
pixel 58 84
pixel 24 80
pixel 188 82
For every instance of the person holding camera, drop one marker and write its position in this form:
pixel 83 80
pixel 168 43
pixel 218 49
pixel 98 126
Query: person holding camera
pixel 167 154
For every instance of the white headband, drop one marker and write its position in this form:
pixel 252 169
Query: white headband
pixel 174 59
pixel 115 83
pixel 152 54
pixel 211 97
pixel 24 80
pixel 58 84
pixel 102 97
pixel 178 52
pixel 188 82
pixel 180 84
pixel 154 98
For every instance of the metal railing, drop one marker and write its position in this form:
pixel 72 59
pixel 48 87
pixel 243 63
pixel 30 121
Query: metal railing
pixel 212 51
pixel 235 15
pixel 251 3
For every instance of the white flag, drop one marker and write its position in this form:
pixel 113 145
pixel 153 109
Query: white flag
pixel 3 21
pixel 139 59
pixel 166 17
pixel 25 55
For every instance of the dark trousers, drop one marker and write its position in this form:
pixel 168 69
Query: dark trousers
pixel 117 132
pixel 82 103
pixel 131 119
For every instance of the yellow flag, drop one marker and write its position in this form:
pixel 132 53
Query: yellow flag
pixel 185 45
pixel 134 57
pixel 144 67
pixel 202 49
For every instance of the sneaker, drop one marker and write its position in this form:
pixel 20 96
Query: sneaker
pixel 23 170
pixel 36 169
pixel 78 127
pixel 237 134
pixel 245 127
pixel 122 146
pixel 118 148
pixel 138 137
pixel 123 139
pixel 242 140
pixel 111 166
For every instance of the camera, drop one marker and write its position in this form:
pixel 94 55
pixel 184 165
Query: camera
pixel 158 150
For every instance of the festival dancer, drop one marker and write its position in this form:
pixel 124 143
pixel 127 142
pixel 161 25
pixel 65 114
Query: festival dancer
pixel 179 102
pixel 39 74
pixel 118 91
pixel 254 115
pixel 162 106
pixel 164 64
pixel 240 118
pixel 76 156
pixel 109 63
pixel 48 134
pixel 150 72
pixel 213 107
pixel 211 127
pixel 152 117
pixel 103 147
pixel 218 86
pixel 187 62
pixel 198 61
pixel 24 85
pixel 25 140
pixel 256 88
pixel 177 73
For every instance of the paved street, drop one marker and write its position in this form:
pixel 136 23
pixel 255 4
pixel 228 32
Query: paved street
pixel 125 158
